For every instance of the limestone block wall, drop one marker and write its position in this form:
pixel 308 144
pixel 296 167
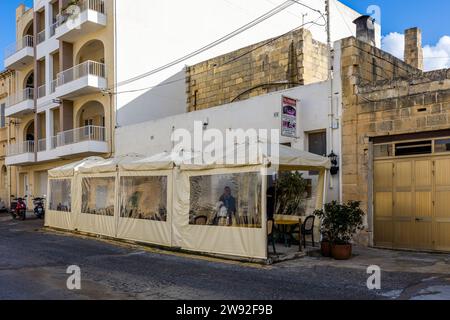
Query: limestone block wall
pixel 362 65
pixel 272 65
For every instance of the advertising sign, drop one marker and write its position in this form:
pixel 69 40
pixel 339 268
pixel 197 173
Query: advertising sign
pixel 289 117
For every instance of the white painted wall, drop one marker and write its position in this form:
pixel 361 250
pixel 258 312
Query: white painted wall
pixel 152 33
pixel 153 137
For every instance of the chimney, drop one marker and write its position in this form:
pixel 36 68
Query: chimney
pixel 413 48
pixel 20 10
pixel 365 29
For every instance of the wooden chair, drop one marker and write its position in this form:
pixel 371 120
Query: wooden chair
pixel 270 237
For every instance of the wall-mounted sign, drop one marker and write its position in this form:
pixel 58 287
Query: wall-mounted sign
pixel 289 117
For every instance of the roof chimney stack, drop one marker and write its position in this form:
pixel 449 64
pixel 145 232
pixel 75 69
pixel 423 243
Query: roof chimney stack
pixel 413 48
pixel 365 29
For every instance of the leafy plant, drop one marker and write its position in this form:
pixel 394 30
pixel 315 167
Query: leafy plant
pixel 291 193
pixel 340 222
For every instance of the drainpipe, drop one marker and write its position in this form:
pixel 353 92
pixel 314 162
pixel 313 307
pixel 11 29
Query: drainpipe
pixel 331 86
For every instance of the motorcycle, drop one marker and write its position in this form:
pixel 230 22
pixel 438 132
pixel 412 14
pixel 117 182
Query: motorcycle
pixel 18 209
pixel 39 208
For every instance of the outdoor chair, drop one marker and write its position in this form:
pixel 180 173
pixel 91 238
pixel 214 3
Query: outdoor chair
pixel 270 237
pixel 308 230
pixel 201 220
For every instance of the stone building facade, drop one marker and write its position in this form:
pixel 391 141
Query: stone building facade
pixel 392 115
pixel 287 61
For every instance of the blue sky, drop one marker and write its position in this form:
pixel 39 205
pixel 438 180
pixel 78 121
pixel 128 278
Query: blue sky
pixel 397 15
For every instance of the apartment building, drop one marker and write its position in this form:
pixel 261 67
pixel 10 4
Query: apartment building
pixel 7 82
pixel 62 60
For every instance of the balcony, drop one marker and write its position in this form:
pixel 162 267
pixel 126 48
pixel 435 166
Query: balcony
pixel 84 141
pixel 78 20
pixel 20 103
pixel 19 55
pixel 86 78
pixel 20 153
pixel 40 37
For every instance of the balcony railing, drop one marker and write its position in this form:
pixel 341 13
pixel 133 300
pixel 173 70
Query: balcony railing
pixel 53 86
pixel 27 41
pixel 42 91
pixel 55 25
pixel 95 5
pixel 86 68
pixel 42 145
pixel 27 94
pixel 40 37
pixel 83 134
pixel 20 148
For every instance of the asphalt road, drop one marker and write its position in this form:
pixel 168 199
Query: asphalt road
pixel 33 265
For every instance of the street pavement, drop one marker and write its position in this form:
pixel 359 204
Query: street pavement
pixel 33 265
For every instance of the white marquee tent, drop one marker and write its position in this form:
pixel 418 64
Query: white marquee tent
pixel 177 200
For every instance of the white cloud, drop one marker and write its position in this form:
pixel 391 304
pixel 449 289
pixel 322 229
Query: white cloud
pixel 435 57
pixel 394 43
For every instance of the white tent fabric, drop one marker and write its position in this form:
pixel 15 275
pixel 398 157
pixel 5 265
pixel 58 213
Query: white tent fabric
pixel 176 221
pixel 260 153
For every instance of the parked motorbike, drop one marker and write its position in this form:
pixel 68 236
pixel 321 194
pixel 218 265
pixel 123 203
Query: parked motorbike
pixel 39 207
pixel 18 209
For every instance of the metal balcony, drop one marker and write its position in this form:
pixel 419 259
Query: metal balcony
pixel 20 54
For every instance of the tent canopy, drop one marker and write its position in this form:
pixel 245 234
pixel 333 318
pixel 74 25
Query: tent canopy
pixel 243 155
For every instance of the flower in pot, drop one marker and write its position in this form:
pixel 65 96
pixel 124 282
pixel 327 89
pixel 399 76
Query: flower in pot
pixel 342 222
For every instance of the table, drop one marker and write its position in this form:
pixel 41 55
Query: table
pixel 289 224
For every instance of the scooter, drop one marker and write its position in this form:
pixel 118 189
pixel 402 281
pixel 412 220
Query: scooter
pixel 19 209
pixel 39 208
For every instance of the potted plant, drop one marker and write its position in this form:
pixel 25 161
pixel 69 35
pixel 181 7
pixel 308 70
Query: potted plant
pixel 341 222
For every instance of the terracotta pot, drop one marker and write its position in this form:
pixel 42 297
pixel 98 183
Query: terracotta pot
pixel 326 248
pixel 341 251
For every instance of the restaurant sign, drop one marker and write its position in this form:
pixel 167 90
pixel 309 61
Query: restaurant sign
pixel 289 117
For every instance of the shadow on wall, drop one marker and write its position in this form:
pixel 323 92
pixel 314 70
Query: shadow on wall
pixel 166 99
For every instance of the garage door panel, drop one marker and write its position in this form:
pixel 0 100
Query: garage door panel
pixel 403 232
pixel 442 167
pixel 383 204
pixel 424 205
pixel 442 205
pixel 383 176
pixel 403 204
pixel 423 235
pixel 442 237
pixel 422 174
pixel 403 175
pixel 384 235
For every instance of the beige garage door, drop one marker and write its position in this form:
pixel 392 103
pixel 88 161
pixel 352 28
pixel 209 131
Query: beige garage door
pixel 412 203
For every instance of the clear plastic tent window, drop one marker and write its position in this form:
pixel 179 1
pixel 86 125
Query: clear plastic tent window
pixel 60 195
pixel 232 200
pixel 143 198
pixel 98 196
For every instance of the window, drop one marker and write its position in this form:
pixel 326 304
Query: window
pixel 232 200
pixel 442 146
pixel 98 196
pixel 413 148
pixel 60 195
pixel 2 116
pixel 317 143
pixel 143 198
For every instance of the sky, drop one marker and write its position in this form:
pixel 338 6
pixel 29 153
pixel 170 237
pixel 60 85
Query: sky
pixel 396 16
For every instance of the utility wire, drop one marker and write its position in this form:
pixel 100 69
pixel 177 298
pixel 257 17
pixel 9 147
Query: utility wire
pixel 238 31
pixel 225 63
